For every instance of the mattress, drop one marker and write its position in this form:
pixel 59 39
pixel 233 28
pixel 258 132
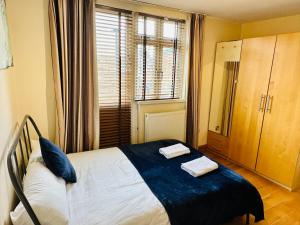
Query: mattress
pixel 137 185
pixel 109 190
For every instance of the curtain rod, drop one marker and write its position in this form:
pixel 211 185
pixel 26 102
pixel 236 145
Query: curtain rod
pixel 167 7
pixel 140 13
pixel 113 8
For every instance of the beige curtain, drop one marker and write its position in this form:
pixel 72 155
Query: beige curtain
pixel 74 73
pixel 196 38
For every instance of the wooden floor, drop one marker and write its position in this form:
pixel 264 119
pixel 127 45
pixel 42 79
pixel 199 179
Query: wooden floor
pixel 282 207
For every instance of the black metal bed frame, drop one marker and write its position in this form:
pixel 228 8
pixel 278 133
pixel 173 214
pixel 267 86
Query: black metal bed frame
pixel 17 161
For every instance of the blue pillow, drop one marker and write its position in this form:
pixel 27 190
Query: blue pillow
pixel 57 161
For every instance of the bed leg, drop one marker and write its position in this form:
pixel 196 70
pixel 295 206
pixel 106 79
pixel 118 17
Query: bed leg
pixel 247 219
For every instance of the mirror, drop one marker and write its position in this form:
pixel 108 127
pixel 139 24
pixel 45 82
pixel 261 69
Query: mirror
pixel 227 62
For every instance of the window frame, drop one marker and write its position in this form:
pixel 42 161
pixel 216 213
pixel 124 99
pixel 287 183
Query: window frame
pixel 159 43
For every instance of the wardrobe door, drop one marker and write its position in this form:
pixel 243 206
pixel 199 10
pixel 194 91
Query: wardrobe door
pixel 252 87
pixel 280 139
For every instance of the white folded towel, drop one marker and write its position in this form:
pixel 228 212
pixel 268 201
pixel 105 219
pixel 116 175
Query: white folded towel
pixel 200 166
pixel 174 150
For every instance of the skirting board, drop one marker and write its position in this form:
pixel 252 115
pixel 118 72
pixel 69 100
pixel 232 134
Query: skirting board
pixel 202 147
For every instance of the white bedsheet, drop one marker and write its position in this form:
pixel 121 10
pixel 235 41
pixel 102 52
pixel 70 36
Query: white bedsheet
pixel 109 190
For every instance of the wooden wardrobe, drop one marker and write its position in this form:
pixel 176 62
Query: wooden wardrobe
pixel 265 134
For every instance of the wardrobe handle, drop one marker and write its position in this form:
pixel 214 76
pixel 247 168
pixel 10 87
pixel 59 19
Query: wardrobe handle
pixel 269 104
pixel 262 103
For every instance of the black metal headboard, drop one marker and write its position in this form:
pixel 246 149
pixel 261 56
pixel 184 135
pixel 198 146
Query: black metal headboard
pixel 17 161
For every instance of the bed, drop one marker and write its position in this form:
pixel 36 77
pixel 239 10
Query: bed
pixel 134 184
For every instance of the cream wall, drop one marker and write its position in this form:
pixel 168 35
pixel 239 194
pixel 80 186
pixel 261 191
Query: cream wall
pixel 215 30
pixel 279 25
pixel 27 87
pixel 8 124
pixel 30 41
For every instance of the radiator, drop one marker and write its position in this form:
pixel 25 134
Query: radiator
pixel 166 125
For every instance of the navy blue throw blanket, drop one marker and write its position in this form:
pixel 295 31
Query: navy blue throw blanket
pixel 211 199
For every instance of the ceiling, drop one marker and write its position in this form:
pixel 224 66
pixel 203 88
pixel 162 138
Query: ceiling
pixel 239 10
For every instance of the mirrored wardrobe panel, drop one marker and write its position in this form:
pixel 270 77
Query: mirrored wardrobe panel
pixel 224 83
pixel 225 77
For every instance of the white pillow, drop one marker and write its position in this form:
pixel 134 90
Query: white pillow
pixel 47 196
pixel 36 154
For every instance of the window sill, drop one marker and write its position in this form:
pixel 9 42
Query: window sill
pixel 155 102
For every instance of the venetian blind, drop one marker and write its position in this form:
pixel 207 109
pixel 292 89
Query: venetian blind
pixel 159 56
pixel 114 67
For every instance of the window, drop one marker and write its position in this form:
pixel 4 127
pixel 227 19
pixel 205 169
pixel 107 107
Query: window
pixel 114 66
pixel 159 58
pixel 143 50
